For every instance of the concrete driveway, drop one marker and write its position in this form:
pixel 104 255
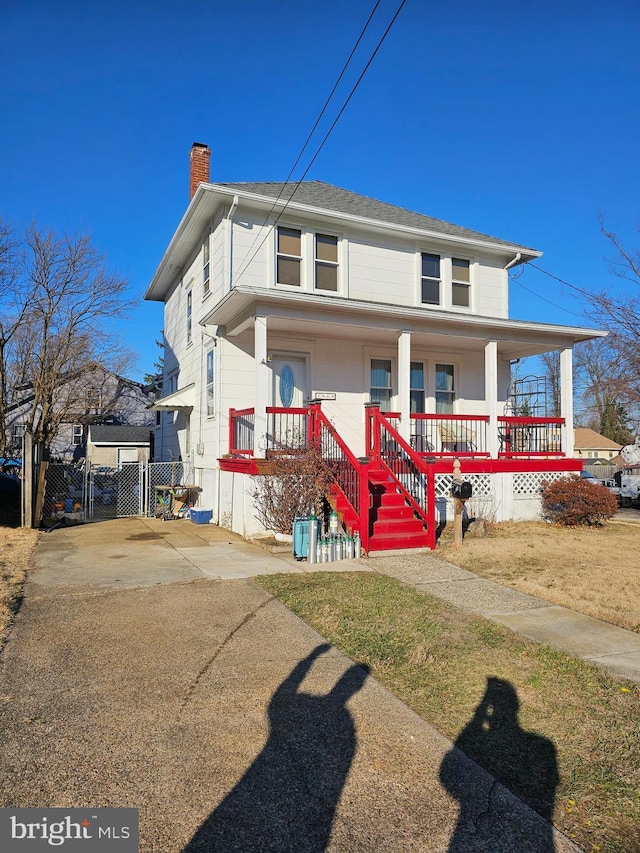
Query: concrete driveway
pixel 136 676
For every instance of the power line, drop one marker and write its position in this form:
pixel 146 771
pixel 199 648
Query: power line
pixel 555 278
pixel 328 133
pixel 533 293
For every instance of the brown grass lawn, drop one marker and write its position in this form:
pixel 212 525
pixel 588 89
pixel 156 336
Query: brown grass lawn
pixel 16 548
pixel 593 570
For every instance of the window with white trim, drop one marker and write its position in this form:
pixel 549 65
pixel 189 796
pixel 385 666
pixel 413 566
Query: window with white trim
pixel 416 387
pixel 16 438
pixel 445 389
pixel 460 283
pixel 430 279
pixel 380 387
pixel 289 256
pixel 206 282
pixel 77 434
pixel 326 262
pixel 210 384
pixel 189 316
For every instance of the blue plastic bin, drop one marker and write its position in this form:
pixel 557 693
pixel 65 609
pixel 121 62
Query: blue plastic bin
pixel 201 516
pixel 301 537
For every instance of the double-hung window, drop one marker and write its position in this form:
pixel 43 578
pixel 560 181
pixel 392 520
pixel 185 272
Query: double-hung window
pixel 210 383
pixel 416 392
pixel 326 262
pixel 189 316
pixel 445 389
pixel 18 432
pixel 460 282
pixel 380 388
pixel 430 279
pixel 77 434
pixel 206 281
pixel 289 256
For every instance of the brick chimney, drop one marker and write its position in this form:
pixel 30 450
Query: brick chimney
pixel 198 166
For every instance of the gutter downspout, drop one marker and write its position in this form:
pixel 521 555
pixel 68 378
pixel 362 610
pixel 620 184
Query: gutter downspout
pixel 230 215
pixel 511 263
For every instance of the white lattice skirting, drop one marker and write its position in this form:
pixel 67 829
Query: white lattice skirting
pixel 498 497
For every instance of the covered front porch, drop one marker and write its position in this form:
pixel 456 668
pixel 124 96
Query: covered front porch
pixel 442 377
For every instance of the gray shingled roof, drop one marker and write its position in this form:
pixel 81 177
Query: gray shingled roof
pixel 118 433
pixel 329 197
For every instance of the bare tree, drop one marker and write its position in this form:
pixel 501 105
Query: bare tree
pixel 59 324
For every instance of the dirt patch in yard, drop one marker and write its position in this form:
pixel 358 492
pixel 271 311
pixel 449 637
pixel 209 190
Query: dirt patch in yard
pixel 592 570
pixel 16 549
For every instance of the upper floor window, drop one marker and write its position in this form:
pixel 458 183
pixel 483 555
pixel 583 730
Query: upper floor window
pixel 445 389
pixel 210 383
pixel 326 262
pixel 289 256
pixel 380 388
pixel 189 315
pixel 16 438
pixel 94 398
pixel 77 434
pixel 460 282
pixel 430 279
pixel 206 283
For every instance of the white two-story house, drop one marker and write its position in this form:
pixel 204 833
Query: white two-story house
pixel 279 295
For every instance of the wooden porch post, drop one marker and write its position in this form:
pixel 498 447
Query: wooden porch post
pixel 262 386
pixel 491 395
pixel 404 384
pixel 566 399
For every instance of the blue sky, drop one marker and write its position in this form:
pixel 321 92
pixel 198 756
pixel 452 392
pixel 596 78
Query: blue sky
pixel 517 119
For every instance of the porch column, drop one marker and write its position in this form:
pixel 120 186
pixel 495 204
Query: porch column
pixel 491 395
pixel 262 387
pixel 404 384
pixel 566 399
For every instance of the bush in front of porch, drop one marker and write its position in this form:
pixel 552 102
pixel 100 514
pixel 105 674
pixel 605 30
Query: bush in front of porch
pixel 294 483
pixel 573 501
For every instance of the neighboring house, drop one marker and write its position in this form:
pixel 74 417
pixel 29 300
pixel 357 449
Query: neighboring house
pixel 275 297
pixel 104 398
pixel 111 445
pixel 589 444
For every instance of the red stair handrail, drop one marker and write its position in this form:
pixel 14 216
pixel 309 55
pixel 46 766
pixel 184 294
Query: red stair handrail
pixel 377 425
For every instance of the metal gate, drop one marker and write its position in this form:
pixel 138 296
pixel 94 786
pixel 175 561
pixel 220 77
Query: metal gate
pixel 99 492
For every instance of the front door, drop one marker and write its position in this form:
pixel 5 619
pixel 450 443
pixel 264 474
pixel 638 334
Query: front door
pixel 289 381
pixel 288 429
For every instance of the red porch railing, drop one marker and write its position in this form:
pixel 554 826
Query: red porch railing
pixel 431 435
pixel 414 477
pixel 241 431
pixel 349 472
pixel 530 437
pixel 449 435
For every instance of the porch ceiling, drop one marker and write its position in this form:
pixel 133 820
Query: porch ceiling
pixel 325 316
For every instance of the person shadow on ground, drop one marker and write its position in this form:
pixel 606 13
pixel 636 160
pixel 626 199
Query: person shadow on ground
pixel 523 761
pixel 287 798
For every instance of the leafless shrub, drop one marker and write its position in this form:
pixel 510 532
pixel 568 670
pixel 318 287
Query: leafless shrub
pixel 294 486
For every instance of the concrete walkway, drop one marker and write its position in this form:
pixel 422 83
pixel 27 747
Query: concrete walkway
pixel 135 676
pixel 614 649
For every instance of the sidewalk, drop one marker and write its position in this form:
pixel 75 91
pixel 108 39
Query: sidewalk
pixel 134 677
pixel 614 649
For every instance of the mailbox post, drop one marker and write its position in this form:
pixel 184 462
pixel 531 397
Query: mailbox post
pixel 461 491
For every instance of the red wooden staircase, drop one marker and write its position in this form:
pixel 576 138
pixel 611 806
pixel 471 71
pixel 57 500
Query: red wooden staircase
pixel 392 520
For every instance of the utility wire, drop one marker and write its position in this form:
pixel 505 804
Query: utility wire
pixel 555 278
pixel 548 301
pixel 328 133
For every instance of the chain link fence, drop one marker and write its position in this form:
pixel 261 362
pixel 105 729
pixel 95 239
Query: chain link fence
pixel 84 492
